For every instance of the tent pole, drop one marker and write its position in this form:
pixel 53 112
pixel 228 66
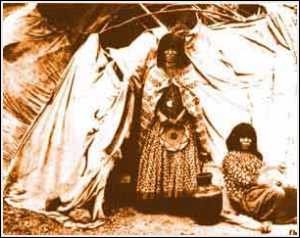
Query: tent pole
pixel 153 16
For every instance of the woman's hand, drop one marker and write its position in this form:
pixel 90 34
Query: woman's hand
pixel 134 84
pixel 266 227
pixel 131 84
pixel 282 167
pixel 271 175
pixel 205 156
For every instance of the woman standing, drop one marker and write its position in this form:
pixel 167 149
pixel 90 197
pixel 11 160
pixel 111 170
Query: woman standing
pixel 174 135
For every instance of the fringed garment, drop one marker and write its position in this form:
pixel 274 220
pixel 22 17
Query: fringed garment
pixel 169 162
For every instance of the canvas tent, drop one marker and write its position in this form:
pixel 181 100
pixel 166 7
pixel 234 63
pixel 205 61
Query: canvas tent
pixel 75 127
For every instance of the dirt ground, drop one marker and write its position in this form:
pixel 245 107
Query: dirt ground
pixel 129 222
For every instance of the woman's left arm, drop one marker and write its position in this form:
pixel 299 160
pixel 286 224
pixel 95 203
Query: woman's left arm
pixel 202 137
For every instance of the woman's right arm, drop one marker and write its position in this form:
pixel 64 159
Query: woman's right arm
pixel 136 81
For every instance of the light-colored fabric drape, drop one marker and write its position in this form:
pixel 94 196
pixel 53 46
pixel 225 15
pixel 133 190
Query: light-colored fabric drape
pixel 246 74
pixel 65 153
pixel 34 58
pixel 252 82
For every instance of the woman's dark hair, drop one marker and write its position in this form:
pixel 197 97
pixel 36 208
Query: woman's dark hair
pixel 171 41
pixel 239 131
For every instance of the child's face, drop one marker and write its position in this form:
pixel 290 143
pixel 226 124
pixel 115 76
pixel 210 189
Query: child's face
pixel 245 143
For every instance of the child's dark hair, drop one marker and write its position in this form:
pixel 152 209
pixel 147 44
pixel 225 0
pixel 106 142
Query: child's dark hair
pixel 240 131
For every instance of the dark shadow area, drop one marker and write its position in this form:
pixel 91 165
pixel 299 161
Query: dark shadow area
pixel 121 183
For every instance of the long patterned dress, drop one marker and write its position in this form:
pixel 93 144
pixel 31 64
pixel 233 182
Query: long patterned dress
pixel 169 162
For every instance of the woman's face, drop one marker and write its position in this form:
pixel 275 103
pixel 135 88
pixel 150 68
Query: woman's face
pixel 245 143
pixel 171 56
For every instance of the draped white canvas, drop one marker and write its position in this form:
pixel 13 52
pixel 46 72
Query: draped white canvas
pixel 247 74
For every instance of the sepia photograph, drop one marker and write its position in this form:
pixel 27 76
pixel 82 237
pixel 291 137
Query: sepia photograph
pixel 145 118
